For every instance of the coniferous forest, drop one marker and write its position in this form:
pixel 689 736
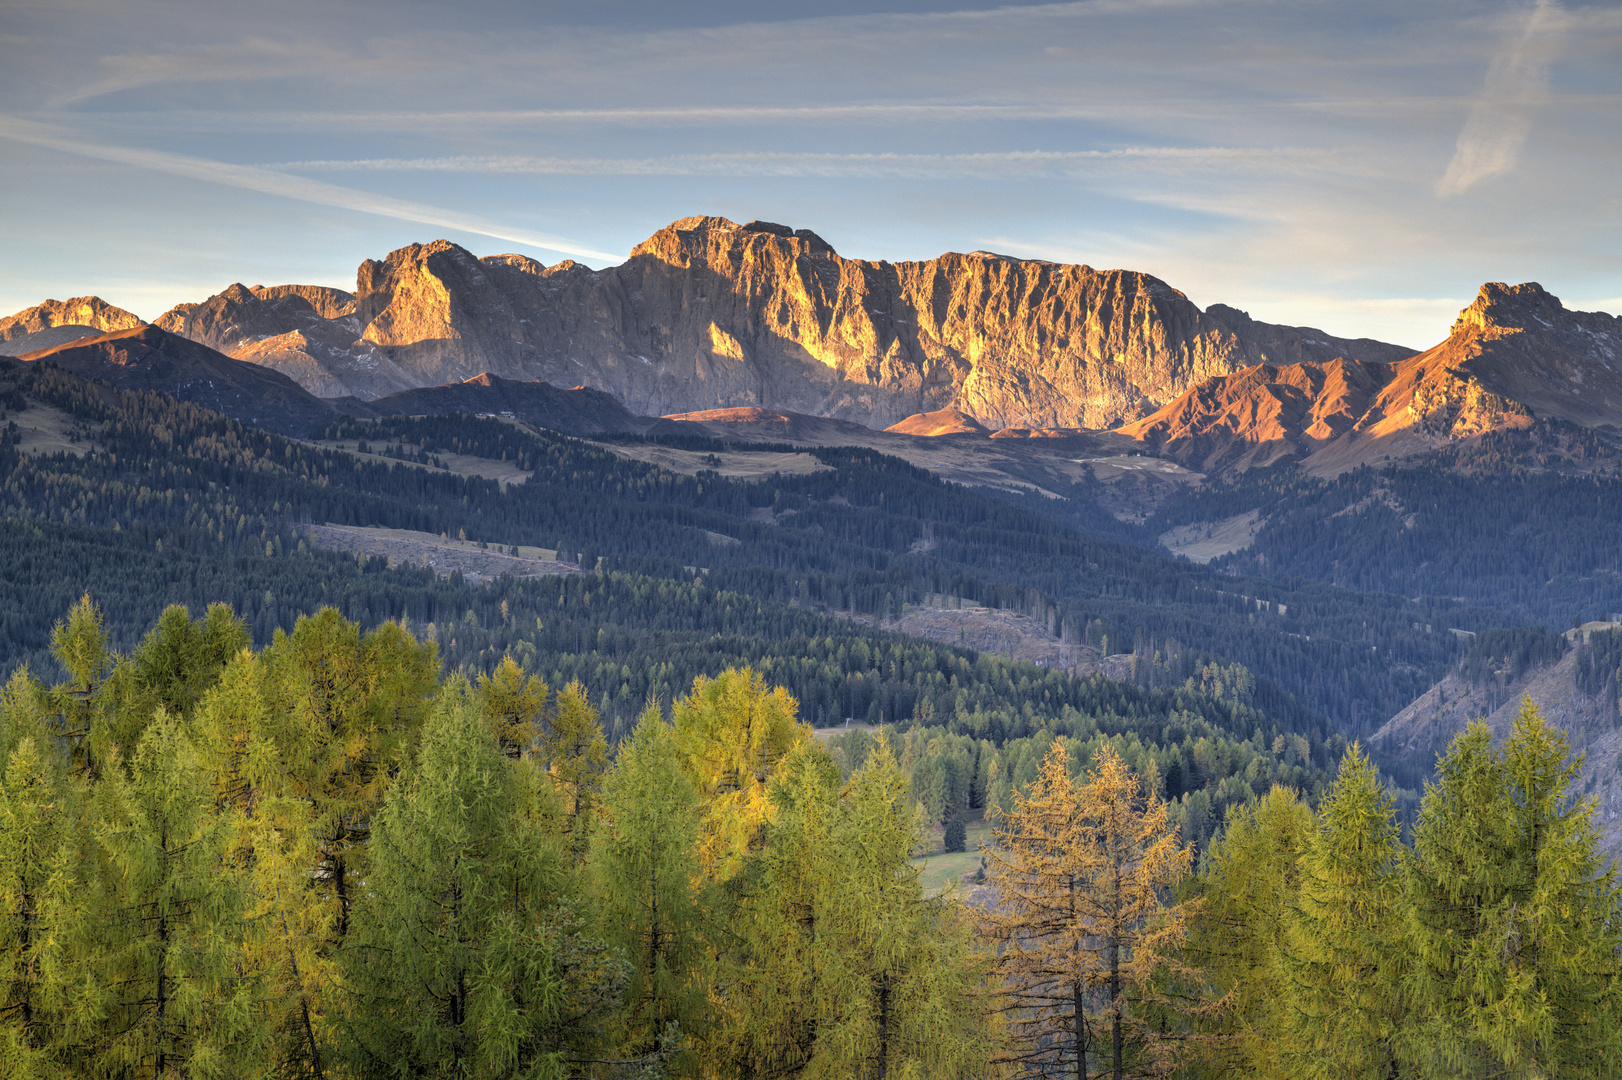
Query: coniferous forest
pixel 272 810
pixel 322 858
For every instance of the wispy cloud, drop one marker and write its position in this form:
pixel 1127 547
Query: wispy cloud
pixel 1517 81
pixel 996 165
pixel 272 182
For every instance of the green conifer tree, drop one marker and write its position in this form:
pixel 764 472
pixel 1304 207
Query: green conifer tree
pixel 467 961
pixel 1247 888
pixel 42 893
pixel 1343 957
pixel 576 754
pixel 644 863
pixel 175 997
pixel 1513 920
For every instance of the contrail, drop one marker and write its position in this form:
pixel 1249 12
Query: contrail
pixel 271 182
pixel 1492 138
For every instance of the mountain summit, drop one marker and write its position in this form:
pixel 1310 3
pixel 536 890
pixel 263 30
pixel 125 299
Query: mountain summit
pixel 707 313
pixel 1515 357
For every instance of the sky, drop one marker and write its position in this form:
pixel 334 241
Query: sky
pixel 1359 167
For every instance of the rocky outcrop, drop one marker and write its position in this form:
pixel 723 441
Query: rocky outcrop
pixel 1514 359
pixel 308 333
pixel 328 302
pixel 56 322
pixel 149 358
pixel 709 314
pixel 1262 414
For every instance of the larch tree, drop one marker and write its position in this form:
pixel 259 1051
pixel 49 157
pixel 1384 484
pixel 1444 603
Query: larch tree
pixel 1247 888
pixel 79 642
pixel 175 997
pixel 1513 919
pixel 903 989
pixel 731 734
pixel 644 872
pixel 1085 926
pixel 274 844
pixel 1344 955
pixel 513 702
pixel 576 754
pixel 467 960
pixel 344 710
pixel 43 893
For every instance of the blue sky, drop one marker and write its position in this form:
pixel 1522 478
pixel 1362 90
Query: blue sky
pixel 1361 167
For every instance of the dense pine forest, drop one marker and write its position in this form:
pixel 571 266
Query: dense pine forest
pixel 1481 527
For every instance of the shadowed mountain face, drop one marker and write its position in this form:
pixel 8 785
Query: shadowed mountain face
pixel 580 411
pixel 149 358
pixel 56 322
pixel 710 314
pixel 1516 357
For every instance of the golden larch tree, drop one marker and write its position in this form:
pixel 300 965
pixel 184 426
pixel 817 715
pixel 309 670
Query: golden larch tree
pixel 1085 930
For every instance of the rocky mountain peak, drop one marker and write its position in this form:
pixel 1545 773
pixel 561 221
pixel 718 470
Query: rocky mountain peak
pixel 58 321
pixel 1498 306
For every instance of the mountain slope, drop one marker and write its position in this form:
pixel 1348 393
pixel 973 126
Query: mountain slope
pixel 1577 692
pixel 308 333
pixel 1515 359
pixel 150 358
pixel 574 412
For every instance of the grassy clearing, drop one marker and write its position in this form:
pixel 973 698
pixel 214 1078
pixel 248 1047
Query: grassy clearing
pixel 734 464
pixel 1206 540
pixel 442 554
pixel 941 870
pixel 459 464
pixel 48 430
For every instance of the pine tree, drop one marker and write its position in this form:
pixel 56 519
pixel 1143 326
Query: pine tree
pixel 1083 925
pixel 1343 956
pixel 644 863
pixel 1513 924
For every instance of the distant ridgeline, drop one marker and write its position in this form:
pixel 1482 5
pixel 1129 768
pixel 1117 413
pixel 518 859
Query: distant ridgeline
pixel 1480 525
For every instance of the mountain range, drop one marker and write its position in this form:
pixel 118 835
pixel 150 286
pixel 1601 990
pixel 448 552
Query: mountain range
pixel 707 314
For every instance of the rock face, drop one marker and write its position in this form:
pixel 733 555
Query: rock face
pixel 1515 357
pixel 150 358
pixel 56 322
pixel 306 332
pixel 709 314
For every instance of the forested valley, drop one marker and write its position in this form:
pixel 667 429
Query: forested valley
pixel 268 809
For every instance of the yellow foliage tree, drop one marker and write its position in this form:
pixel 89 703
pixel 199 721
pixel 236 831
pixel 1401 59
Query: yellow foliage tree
pixel 1084 928
pixel 731 733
